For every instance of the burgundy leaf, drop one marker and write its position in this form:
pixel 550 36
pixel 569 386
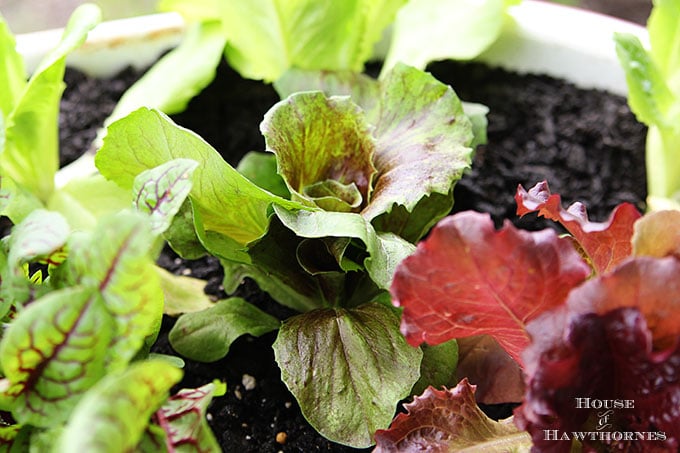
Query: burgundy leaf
pixel 616 338
pixel 447 420
pixel 468 279
pixel 606 243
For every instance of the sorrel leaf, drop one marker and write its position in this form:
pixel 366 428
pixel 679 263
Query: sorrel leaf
pixel 468 279
pixel 430 30
pixel 54 352
pixel 114 414
pixel 266 37
pixel 616 338
pixel 228 203
pixel 449 420
pixel 115 261
pixel 347 369
pixel 606 244
pixel 161 191
pixel 31 156
pixel 182 417
pixel 323 148
pixel 207 335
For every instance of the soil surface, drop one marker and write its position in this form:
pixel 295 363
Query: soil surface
pixel 586 143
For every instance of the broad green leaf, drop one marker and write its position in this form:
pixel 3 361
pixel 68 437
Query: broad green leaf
pixel 115 259
pixel 226 201
pixel 31 156
pixel 207 335
pixel 114 414
pixel 183 418
pixel 664 36
pixel 54 352
pixel 266 37
pixel 347 369
pixel 385 250
pixel 648 94
pixel 182 294
pixel 12 72
pixel 181 235
pixel 323 148
pixel 161 191
pixel 429 30
pixel 438 367
pixel 178 76
pixel 260 168
pixel 84 201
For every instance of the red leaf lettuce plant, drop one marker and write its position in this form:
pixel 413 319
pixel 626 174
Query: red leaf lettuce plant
pixel 592 318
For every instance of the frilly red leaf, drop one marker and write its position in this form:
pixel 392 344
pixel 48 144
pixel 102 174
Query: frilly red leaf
pixel 444 421
pixel 605 243
pixel 469 279
pixel 616 338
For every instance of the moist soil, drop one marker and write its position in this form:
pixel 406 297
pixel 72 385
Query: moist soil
pixel 585 143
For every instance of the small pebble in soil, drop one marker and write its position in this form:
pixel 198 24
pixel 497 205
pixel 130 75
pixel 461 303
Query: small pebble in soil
pixel 248 382
pixel 281 437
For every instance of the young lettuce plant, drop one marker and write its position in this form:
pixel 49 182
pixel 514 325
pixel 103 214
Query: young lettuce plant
pixel 653 78
pixel 29 150
pixel 74 353
pixel 598 321
pixel 357 182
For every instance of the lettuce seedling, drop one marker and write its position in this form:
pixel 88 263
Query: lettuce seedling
pixel 357 183
pixel 583 322
pixel 29 154
pixel 653 78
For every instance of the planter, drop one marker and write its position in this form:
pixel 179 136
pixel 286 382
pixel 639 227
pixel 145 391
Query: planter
pixel 539 42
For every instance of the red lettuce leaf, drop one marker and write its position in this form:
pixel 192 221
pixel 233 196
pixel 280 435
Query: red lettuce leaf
pixel 606 244
pixel 447 420
pixel 468 279
pixel 616 338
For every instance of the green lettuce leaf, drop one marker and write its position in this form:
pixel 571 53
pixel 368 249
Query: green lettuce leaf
pixel 266 37
pixel 429 30
pixel 12 72
pixel 227 203
pixel 114 414
pixel 182 294
pixel 31 155
pixel 347 369
pixel 207 335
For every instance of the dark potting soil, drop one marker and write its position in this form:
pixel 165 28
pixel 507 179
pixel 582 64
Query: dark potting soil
pixel 586 143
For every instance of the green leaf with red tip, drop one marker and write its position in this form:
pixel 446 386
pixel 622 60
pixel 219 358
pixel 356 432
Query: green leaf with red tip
pixel 113 416
pixel 469 279
pixel 182 418
pixel 606 244
pixel 449 420
pixel 347 369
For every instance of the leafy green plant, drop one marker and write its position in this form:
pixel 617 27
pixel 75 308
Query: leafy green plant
pixel 653 78
pixel 360 178
pixel 591 315
pixel 29 146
